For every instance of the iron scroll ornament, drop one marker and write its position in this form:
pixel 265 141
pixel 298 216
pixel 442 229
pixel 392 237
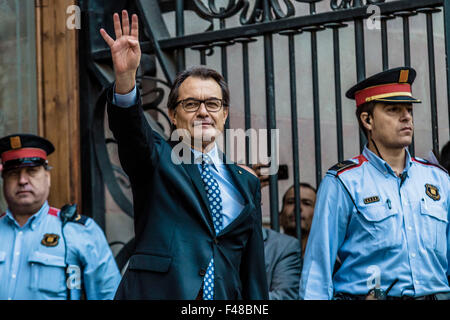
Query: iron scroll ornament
pixel 249 14
pixel 347 4
pixel 257 12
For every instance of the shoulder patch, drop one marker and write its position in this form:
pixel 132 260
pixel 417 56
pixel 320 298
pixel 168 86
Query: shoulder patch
pixel 343 165
pixel 428 163
pixel 80 219
pixel 348 164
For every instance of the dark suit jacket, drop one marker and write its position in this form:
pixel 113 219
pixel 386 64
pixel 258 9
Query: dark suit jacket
pixel 175 237
pixel 283 265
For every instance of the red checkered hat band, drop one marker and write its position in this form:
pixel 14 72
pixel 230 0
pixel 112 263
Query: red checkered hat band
pixel 23 153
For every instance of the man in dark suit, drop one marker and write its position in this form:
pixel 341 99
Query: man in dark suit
pixel 197 225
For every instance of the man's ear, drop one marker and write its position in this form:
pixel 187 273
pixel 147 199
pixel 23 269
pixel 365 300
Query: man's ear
pixel 172 114
pixel 47 172
pixel 225 113
pixel 366 120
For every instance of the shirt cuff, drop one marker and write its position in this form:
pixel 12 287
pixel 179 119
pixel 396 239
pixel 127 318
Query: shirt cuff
pixel 125 100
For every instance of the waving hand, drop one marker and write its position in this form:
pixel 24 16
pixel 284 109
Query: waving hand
pixel 125 51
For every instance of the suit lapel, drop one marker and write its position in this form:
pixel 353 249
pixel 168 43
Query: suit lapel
pixel 238 177
pixel 194 174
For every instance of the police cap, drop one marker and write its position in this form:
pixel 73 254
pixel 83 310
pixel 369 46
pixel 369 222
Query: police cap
pixel 390 86
pixel 24 150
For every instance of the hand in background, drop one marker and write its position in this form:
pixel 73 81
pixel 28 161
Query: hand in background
pixel 125 51
pixel 263 179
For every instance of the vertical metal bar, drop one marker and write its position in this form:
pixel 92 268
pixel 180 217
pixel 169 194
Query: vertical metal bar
pixel 315 76
pixel 360 65
pixel 447 50
pixel 406 41
pixel 203 57
pixel 19 68
pixel 315 85
pixel 246 83
pixel 224 57
pixel 337 88
pixel 247 111
pixel 180 53
pixel 294 128
pixel 432 78
pixel 271 116
pixel 202 52
pixel 384 44
pixel 295 140
pixel 407 55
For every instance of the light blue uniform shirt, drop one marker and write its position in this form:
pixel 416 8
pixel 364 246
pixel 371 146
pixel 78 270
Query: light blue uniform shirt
pixel 31 270
pixel 386 230
pixel 232 200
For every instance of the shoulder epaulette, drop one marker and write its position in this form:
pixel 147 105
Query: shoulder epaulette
pixel 347 165
pixel 80 219
pixel 428 163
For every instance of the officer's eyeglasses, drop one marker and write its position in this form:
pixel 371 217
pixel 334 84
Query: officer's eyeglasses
pixel 192 105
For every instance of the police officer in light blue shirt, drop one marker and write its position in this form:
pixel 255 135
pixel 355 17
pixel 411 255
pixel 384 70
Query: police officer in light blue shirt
pixel 384 213
pixel 47 253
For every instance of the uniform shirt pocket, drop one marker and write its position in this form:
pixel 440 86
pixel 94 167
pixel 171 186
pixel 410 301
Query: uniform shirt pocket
pixel 47 272
pixel 434 229
pixel 382 224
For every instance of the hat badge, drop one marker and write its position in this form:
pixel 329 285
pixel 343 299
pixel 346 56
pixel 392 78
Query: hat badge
pixel 15 142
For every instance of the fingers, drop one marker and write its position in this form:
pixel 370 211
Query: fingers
pixel 133 43
pixel 117 27
pixel 125 23
pixel 109 41
pixel 257 167
pixel 134 26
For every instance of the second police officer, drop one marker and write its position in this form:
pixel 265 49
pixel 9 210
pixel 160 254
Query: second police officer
pixel 384 213
pixel 47 253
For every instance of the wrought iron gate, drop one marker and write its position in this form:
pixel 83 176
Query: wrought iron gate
pixel 241 25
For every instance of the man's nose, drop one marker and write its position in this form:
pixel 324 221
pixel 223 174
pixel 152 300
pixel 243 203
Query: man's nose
pixel 202 111
pixel 406 115
pixel 23 177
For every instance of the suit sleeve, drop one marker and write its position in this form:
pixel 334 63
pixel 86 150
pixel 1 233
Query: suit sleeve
pixel 286 274
pixel 328 230
pixel 135 138
pixel 253 273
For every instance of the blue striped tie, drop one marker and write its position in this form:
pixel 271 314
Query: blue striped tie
pixel 215 204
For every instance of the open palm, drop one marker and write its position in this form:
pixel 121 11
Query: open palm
pixel 125 50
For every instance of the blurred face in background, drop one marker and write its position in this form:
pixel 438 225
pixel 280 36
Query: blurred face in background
pixel 287 215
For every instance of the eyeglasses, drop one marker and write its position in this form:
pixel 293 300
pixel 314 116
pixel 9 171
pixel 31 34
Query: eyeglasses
pixel 192 105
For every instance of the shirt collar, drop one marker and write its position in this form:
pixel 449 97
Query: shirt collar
pixel 34 220
pixel 382 165
pixel 213 155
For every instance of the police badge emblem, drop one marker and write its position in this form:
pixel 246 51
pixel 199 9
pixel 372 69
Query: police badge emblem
pixel 50 240
pixel 432 192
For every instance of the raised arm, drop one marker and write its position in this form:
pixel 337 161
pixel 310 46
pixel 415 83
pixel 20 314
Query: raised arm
pixel 125 51
pixel 134 136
